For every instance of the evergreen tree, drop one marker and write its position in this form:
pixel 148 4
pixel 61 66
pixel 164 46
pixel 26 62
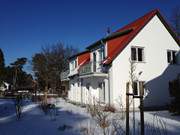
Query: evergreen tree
pixel 2 68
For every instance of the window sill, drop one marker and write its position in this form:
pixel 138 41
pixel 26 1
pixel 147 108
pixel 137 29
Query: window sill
pixel 138 61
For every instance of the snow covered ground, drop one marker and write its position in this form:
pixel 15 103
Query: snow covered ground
pixel 70 120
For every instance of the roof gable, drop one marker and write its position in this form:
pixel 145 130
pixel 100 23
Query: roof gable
pixel 115 46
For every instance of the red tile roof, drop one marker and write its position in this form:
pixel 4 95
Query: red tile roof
pixel 126 34
pixel 115 46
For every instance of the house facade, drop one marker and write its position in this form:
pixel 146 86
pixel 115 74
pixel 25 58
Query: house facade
pixel 147 45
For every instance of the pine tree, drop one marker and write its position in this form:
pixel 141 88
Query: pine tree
pixel 2 66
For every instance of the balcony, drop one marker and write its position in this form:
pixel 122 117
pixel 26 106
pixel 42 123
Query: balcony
pixel 90 69
pixel 86 69
pixel 64 75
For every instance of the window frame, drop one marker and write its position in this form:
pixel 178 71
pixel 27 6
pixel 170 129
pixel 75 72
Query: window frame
pixel 172 60
pixel 101 54
pixel 137 57
pixel 138 87
pixel 73 64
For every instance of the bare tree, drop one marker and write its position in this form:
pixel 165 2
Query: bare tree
pixel 49 63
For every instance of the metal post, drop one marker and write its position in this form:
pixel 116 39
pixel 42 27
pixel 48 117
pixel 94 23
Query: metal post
pixel 127 108
pixel 141 107
pixel 134 117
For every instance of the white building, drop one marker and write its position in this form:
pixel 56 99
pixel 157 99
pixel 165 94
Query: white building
pixel 100 74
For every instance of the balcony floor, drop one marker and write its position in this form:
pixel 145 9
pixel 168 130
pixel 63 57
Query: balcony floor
pixel 93 74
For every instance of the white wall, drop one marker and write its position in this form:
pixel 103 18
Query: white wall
pixel 74 92
pixel 82 95
pixel 93 92
pixel 155 70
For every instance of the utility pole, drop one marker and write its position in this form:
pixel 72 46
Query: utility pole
pixel 127 108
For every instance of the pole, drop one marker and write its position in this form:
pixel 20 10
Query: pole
pixel 134 117
pixel 142 107
pixel 127 108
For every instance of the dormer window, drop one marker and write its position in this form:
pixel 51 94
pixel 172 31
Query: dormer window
pixel 171 56
pixel 101 54
pixel 73 64
pixel 137 54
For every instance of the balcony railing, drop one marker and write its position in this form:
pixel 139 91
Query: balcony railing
pixel 85 69
pixel 73 72
pixel 90 68
pixel 64 75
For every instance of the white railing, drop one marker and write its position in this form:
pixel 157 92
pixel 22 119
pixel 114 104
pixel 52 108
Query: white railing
pixel 90 67
pixel 73 72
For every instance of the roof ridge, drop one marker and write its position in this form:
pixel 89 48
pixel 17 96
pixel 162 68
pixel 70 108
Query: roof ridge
pixel 152 12
pixel 118 44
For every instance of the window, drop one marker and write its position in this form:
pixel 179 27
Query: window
pixel 133 54
pixel 87 86
pixel 78 84
pixel 136 87
pixel 72 85
pixel 73 64
pixel 140 54
pixel 102 92
pixel 81 82
pixel 101 53
pixel 94 62
pixel 171 56
pixel 137 54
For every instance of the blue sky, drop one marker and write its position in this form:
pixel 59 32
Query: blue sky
pixel 26 25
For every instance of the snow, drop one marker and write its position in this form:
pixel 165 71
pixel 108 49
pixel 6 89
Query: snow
pixel 35 122
pixel 70 120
